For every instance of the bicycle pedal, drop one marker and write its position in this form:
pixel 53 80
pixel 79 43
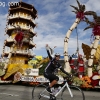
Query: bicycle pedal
pixel 52 97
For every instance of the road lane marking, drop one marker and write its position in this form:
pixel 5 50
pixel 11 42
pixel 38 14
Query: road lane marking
pixel 9 94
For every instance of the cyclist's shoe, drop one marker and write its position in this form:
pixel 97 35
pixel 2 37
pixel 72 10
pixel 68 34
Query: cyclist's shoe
pixel 48 90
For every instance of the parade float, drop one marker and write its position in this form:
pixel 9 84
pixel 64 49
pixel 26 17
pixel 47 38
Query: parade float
pixel 18 61
pixel 17 49
pixel 89 79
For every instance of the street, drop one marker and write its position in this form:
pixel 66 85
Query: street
pixel 18 92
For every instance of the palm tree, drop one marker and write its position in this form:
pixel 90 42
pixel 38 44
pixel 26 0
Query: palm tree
pixel 96 32
pixel 80 14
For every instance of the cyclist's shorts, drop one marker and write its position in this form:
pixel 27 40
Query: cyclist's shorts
pixel 51 77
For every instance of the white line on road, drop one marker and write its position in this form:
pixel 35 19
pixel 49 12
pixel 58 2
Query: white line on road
pixel 9 94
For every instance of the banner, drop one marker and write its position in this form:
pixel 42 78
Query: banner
pixel 33 79
pixel 39 79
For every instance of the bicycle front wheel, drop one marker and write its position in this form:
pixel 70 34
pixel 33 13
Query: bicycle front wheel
pixel 39 92
pixel 76 94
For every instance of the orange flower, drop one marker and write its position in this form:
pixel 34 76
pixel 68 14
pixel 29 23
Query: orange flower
pixel 87 82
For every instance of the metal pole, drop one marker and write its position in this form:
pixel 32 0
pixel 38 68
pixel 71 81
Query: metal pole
pixel 77 42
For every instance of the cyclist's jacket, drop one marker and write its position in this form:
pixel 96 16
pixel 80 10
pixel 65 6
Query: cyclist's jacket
pixel 53 65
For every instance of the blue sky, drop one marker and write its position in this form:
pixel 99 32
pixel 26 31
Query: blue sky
pixel 55 17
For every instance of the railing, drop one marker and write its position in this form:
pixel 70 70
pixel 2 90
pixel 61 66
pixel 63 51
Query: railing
pixel 32 43
pixel 26 52
pixel 23 27
pixel 10 27
pixel 10 39
pixel 22 16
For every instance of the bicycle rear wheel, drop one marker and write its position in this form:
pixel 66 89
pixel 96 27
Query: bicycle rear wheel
pixel 39 93
pixel 76 91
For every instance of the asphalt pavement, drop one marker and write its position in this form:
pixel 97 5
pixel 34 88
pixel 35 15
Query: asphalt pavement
pixel 19 92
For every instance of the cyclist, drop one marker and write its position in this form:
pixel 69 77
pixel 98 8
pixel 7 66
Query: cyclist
pixel 52 66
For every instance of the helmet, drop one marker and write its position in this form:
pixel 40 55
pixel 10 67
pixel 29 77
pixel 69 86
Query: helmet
pixel 57 54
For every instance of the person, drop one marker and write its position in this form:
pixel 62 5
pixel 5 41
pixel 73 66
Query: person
pixel 81 66
pixel 50 69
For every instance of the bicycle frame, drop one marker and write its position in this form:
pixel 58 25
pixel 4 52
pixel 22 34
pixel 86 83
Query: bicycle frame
pixel 65 85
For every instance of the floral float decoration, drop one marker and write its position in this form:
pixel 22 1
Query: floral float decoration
pixel 95 79
pixel 80 15
pixel 87 82
pixel 84 82
pixel 95 25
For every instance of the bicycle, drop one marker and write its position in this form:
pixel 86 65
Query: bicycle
pixel 67 90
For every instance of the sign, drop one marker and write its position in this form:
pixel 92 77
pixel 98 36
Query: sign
pixel 17 76
pixel 27 78
pixel 41 79
pixel 38 79
pixel 32 79
pixel 32 72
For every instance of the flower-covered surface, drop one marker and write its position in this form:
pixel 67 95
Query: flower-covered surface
pixel 87 82
pixel 2 64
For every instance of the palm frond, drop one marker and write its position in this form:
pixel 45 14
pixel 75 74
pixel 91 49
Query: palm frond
pixel 82 8
pixel 78 4
pixel 91 13
pixel 88 22
pixel 76 8
pixel 75 12
pixel 87 28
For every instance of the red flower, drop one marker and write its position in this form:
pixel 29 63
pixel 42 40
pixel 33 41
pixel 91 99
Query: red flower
pixel 80 15
pixel 19 37
pixel 94 82
pixel 96 30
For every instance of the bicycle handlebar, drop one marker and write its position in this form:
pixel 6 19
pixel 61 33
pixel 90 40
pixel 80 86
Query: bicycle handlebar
pixel 68 79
